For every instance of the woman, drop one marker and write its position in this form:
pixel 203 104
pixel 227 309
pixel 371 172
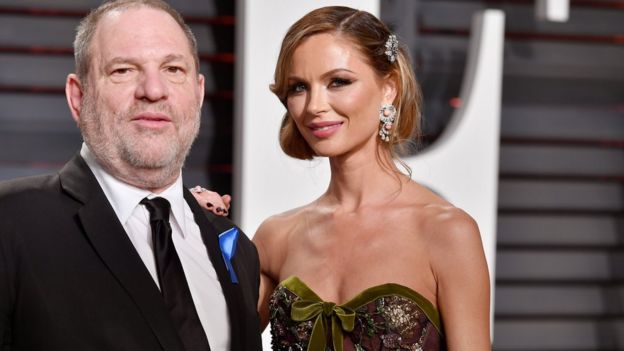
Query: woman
pixel 378 262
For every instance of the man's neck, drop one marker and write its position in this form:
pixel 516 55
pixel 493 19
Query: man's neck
pixel 152 180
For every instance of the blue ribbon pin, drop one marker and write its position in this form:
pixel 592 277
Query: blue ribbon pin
pixel 227 242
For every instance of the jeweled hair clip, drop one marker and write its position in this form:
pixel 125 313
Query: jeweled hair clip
pixel 392 48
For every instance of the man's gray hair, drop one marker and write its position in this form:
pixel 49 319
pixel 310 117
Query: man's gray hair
pixel 88 25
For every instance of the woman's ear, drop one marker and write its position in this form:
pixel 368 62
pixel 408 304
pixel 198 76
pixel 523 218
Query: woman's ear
pixel 389 89
pixel 74 93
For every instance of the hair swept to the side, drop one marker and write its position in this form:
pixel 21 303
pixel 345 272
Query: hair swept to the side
pixel 369 35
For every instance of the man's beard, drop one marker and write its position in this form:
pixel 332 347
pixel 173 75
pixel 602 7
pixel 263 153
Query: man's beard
pixel 141 157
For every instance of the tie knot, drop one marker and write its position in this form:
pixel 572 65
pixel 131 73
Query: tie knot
pixel 158 208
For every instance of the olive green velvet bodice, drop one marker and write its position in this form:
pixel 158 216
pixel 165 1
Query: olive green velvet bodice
pixel 384 317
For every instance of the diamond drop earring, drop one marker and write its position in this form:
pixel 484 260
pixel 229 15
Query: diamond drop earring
pixel 387 115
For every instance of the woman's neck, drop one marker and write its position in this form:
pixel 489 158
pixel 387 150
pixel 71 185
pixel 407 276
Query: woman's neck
pixel 360 180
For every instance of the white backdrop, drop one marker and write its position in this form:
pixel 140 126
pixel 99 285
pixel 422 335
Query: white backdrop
pixel 266 181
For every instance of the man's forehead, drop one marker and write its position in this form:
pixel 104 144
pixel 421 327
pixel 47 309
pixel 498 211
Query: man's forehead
pixel 135 18
pixel 140 28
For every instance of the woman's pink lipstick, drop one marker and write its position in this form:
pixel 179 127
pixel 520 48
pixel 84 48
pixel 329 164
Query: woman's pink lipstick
pixel 324 129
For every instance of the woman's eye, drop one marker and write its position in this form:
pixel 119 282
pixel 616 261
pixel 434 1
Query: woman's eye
pixel 339 82
pixel 297 88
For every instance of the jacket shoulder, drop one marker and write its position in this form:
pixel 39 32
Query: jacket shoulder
pixel 28 187
pixel 222 224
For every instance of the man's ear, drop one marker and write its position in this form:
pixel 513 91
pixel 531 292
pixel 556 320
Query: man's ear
pixel 201 81
pixel 74 93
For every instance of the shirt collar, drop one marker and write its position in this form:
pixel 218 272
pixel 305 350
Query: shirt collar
pixel 124 197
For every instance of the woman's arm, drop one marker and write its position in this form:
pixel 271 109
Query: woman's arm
pixel 268 250
pixel 463 285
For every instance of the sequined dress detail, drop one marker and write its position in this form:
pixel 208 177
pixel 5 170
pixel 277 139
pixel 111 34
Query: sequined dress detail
pixel 384 317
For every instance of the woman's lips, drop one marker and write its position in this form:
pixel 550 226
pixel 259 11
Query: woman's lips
pixel 324 129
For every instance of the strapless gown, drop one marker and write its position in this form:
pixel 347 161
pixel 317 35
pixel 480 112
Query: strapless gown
pixel 384 317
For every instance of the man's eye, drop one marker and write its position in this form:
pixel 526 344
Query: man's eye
pixel 174 69
pixel 119 71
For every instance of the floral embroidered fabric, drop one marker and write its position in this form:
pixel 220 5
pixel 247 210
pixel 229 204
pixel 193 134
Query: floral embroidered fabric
pixel 385 317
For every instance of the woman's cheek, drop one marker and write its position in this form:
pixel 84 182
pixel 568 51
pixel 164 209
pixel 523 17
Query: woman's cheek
pixel 295 107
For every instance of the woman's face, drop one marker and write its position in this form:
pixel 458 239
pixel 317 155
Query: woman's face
pixel 334 96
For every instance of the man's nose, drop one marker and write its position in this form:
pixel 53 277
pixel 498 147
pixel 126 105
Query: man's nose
pixel 152 86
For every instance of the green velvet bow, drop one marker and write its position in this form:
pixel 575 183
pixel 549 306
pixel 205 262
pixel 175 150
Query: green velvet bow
pixel 341 318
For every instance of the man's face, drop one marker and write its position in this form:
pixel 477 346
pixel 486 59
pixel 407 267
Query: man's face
pixel 140 109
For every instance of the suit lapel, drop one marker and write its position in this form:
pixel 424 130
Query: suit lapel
pixel 231 291
pixel 113 246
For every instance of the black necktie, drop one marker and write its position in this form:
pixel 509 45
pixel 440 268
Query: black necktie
pixel 173 285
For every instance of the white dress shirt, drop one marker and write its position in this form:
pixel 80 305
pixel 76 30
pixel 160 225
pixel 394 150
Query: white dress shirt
pixel 200 274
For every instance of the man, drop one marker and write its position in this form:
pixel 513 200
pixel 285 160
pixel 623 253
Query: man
pixel 112 253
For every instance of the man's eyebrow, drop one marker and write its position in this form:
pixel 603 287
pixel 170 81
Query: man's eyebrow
pixel 174 57
pixel 128 60
pixel 118 60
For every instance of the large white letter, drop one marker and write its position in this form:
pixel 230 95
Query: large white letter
pixel 462 165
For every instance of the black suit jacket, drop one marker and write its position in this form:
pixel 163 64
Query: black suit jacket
pixel 71 280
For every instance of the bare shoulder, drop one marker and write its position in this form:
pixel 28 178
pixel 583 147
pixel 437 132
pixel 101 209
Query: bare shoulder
pixel 448 229
pixel 449 224
pixel 451 231
pixel 276 227
pixel 272 239
pixel 454 245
